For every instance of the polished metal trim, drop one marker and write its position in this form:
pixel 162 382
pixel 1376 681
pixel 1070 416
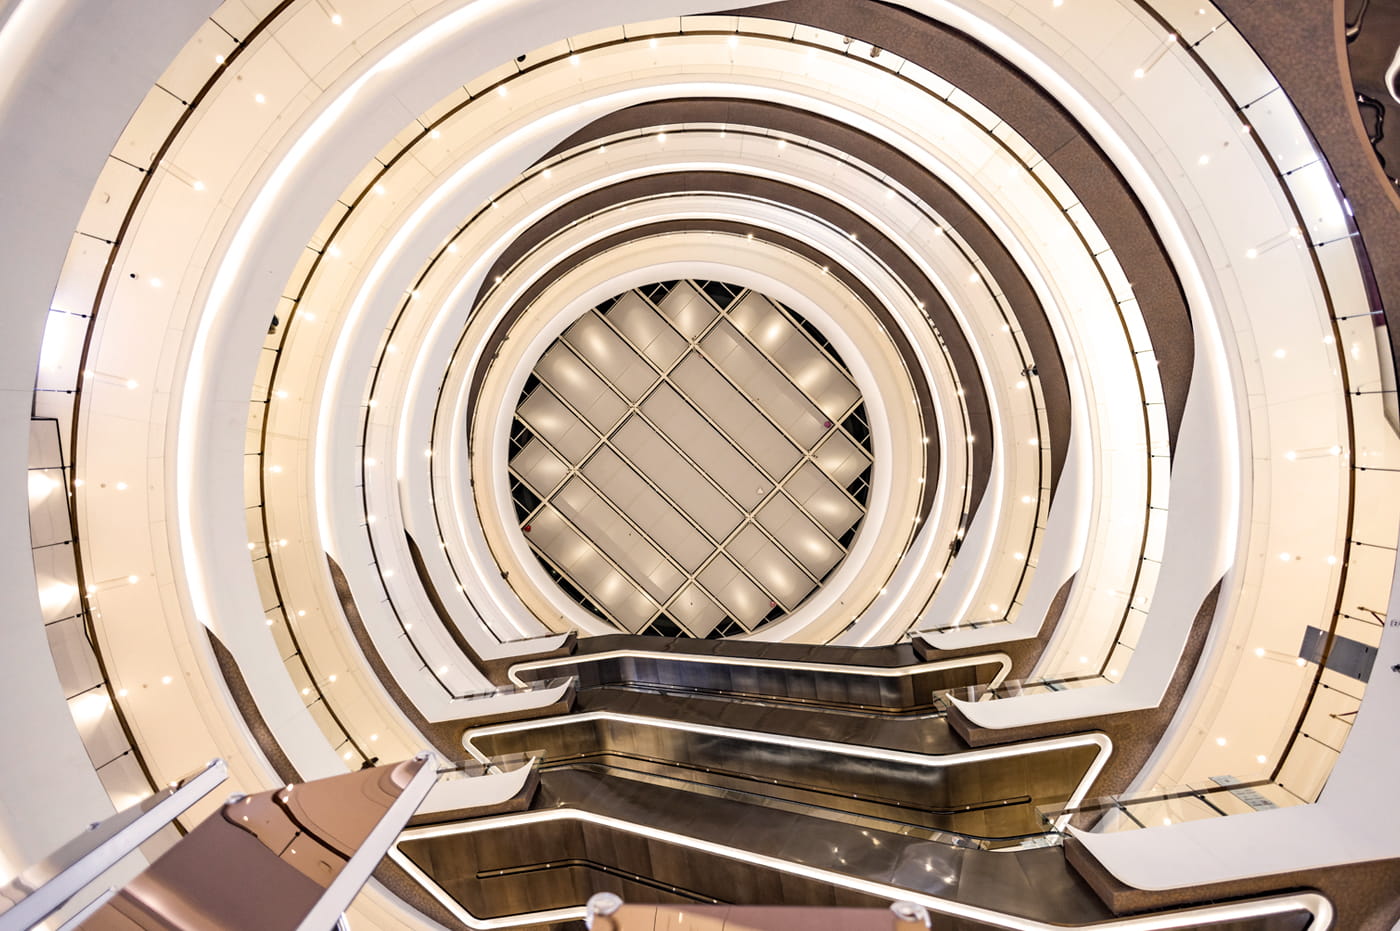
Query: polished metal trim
pixel 337 896
pixel 1314 903
pixel 110 843
pixel 878 672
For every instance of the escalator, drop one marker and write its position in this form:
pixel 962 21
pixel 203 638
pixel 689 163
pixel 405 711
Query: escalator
pixel 588 832
pixel 894 681
pixel 969 795
pixel 767 779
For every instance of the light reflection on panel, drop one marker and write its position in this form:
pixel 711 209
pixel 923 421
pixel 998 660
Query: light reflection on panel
pixel 635 319
pixel 664 447
pixel 681 481
pixel 735 415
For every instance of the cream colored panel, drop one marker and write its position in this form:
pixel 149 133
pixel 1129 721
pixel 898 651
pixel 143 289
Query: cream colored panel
pixel 677 478
pixel 648 331
pixel 609 354
pixel 549 418
pixel 739 419
pixel 702 443
pixel 744 600
pixel 770 389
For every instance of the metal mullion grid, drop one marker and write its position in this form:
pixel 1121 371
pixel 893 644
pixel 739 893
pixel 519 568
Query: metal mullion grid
pixel 544 498
pixel 751 515
pixel 719 546
pixel 699 350
pixel 824 350
pixel 693 347
pixel 838 427
pixel 777 483
pixel 691 578
pixel 576 471
pixel 696 349
pixel 836 424
pixel 658 376
pixel 773 307
pixel 598 606
pixel 704 473
pixel 605 441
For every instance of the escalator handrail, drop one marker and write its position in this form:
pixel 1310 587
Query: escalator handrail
pixel 1314 903
pixel 884 672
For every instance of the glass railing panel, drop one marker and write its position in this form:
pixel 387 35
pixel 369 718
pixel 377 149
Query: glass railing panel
pixel 1132 627
pixel 1373 525
pixel 267 589
pixel 124 780
pixel 326 723
pixel 73 657
pixel 1222 796
pixel 1307 766
pixel 301 679
pixel 286 647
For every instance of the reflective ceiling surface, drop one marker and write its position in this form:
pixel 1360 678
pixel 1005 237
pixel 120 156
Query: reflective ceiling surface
pixel 690 458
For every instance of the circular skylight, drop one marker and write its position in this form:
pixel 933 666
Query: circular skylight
pixel 690 458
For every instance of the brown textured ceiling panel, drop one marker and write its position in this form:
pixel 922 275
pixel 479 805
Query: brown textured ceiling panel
pixel 683 182
pixel 885 159
pixel 1033 113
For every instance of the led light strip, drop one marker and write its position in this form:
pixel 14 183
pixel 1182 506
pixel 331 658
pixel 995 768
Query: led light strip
pixel 400 457
pixel 841 582
pixel 875 672
pixel 1313 903
pixel 943 761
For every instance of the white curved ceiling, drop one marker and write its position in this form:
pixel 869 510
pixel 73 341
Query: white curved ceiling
pixel 380 180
